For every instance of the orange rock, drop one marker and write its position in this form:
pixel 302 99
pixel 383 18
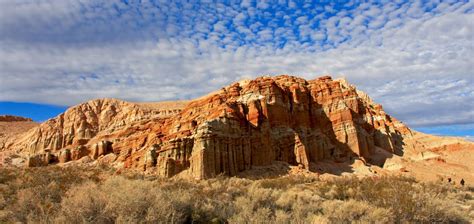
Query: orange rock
pixel 246 124
pixel 64 156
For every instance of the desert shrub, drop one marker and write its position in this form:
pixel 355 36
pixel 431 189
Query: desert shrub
pixel 304 203
pixel 33 195
pixel 285 182
pixel 85 203
pixel 172 206
pixel 7 175
pixel 128 201
pixel 98 195
pixel 260 215
pixel 123 200
pixel 352 211
pixel 408 200
pixel 37 204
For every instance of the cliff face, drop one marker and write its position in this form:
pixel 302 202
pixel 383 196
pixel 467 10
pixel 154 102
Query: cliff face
pixel 247 124
pixel 292 120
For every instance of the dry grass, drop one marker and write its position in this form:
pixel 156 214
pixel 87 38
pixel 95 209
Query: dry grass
pixel 78 195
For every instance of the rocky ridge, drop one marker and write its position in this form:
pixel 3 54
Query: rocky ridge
pixel 11 118
pixel 247 124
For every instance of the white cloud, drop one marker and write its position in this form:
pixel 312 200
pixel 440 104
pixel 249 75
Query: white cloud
pixel 418 65
pixel 246 3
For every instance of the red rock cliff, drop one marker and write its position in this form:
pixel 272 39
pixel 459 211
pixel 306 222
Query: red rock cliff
pixel 247 124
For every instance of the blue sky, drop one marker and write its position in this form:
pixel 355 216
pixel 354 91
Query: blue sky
pixel 414 57
pixel 37 112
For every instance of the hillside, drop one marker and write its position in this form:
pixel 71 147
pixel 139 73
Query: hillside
pixel 315 126
pixel 10 127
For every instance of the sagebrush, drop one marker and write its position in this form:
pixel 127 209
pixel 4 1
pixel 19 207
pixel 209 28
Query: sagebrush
pixel 98 195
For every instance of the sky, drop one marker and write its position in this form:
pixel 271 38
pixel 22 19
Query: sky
pixel 416 58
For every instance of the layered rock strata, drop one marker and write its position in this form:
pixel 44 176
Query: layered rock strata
pixel 247 124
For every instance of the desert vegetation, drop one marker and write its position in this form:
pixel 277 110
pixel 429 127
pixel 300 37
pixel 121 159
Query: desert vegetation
pixel 99 195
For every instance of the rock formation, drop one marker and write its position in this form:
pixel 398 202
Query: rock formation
pixel 10 128
pixel 11 118
pixel 247 124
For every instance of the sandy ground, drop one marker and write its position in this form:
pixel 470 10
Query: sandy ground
pixel 455 163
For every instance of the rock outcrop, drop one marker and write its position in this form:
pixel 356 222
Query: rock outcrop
pixel 11 127
pixel 11 118
pixel 247 124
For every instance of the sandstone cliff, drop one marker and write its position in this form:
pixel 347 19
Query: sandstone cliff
pixel 247 124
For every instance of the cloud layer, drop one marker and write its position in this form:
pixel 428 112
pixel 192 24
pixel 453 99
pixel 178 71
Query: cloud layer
pixel 414 58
